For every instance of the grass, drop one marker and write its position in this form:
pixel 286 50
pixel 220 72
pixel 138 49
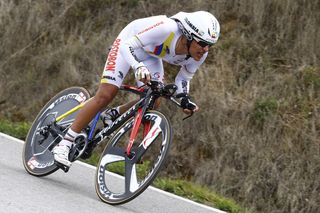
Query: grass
pixel 182 188
pixel 311 76
pixel 198 194
pixel 264 108
pixel 15 129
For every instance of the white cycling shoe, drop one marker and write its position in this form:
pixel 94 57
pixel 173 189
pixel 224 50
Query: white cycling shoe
pixel 61 154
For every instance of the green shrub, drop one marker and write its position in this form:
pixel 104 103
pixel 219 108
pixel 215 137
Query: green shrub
pixel 311 77
pixel 15 129
pixel 263 109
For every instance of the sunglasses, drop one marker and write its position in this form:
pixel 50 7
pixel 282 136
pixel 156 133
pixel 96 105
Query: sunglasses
pixel 202 43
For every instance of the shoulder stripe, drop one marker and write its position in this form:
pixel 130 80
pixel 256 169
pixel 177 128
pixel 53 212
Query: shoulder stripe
pixel 161 50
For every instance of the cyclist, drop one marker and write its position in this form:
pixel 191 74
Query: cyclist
pixel 183 39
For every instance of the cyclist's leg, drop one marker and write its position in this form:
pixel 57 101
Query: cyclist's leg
pixel 103 97
pixel 105 94
pixel 114 72
pixel 111 80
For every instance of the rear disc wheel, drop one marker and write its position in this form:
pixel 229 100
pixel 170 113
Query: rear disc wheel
pixel 37 156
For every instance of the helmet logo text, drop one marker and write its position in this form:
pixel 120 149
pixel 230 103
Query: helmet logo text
pixel 191 25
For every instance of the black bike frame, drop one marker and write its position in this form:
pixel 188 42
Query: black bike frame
pixel 139 108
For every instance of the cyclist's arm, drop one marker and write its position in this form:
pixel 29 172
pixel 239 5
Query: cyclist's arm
pixel 127 50
pixel 183 83
pixel 154 33
pixel 185 75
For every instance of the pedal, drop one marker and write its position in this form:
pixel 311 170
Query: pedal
pixel 61 166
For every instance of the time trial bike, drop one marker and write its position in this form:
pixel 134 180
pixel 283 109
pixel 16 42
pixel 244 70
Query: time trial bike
pixel 138 140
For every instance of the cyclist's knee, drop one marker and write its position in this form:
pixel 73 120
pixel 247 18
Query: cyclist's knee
pixel 105 94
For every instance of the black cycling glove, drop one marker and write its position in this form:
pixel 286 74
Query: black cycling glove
pixel 186 103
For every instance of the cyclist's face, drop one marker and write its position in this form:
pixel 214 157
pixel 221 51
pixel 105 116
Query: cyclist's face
pixel 197 51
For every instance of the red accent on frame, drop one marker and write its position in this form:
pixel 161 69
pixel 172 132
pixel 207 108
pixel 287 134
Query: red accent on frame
pixel 132 88
pixel 147 127
pixel 136 125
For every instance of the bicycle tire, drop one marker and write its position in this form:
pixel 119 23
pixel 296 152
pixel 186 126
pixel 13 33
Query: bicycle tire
pixel 37 158
pixel 136 185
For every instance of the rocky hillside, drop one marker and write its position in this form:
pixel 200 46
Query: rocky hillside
pixel 256 138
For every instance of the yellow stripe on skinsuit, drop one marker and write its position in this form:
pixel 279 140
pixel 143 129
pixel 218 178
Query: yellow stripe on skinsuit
pixel 166 44
pixel 104 81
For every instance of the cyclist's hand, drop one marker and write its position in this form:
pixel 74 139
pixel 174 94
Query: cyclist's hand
pixel 188 111
pixel 142 73
pixel 188 106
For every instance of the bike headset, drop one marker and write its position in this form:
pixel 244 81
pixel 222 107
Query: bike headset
pixel 200 26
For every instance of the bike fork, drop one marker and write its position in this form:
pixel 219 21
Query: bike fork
pixel 135 128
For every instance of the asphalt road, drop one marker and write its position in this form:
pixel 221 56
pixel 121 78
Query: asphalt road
pixel 73 191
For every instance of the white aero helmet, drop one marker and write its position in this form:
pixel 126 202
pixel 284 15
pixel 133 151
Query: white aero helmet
pixel 201 26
